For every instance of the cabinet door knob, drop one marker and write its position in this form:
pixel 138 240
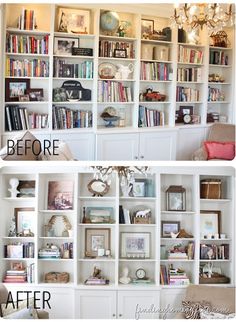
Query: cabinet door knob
pixel 142 157
pixel 114 315
pixel 136 158
pixel 120 315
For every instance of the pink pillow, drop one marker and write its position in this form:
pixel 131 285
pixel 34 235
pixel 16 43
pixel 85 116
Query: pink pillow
pixel 220 150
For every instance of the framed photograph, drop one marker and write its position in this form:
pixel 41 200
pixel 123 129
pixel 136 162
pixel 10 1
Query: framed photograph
pixel 63 46
pixel 135 245
pixel 210 223
pixel 99 215
pixel 17 266
pixel 96 239
pixel 183 110
pixel 60 195
pixel 147 26
pixel 139 188
pixel 73 20
pixel 26 189
pixel 176 198
pixel 15 87
pixel 68 70
pixel 25 221
pixel 168 227
pixel 208 251
pixel 24 98
pixel 120 53
pixel 35 94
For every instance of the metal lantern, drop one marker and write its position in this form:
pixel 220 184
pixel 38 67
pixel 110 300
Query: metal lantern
pixel 176 198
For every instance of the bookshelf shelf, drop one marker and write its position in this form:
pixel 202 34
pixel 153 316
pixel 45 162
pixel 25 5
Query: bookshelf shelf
pixel 156 42
pixel 27 103
pixel 73 57
pixel 116 59
pixel 220 66
pixel 216 200
pixel 69 35
pixel 117 38
pixel 27 55
pixel 73 79
pixel 28 32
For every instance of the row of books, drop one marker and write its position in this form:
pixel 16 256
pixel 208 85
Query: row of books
pixel 150 117
pixel 50 253
pixel 67 247
pixel 96 281
pixel 187 94
pixel 81 70
pixel 173 276
pixel 215 95
pixel 18 119
pixel 21 276
pixel 214 251
pixel 21 250
pixel 27 67
pixel 190 55
pixel 189 74
pixel 155 71
pixel 108 48
pixel 21 44
pixel 218 57
pixel 27 20
pixel 66 118
pixel 109 91
pixel 124 215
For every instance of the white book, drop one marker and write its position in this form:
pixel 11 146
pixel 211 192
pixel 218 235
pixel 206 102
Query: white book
pixel 126 216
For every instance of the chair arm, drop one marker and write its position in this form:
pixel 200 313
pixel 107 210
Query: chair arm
pixel 42 314
pixel 200 155
pixel 179 316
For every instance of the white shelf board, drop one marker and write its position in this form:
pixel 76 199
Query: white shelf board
pixel 96 198
pixel 191 45
pixel 72 78
pixel 117 80
pixel 20 238
pixel 154 102
pixel 72 35
pixel 155 81
pixel 29 77
pixel 18 259
pixel 122 39
pixel 28 103
pixel 27 55
pixel 116 103
pixel 57 211
pixel 151 41
pixel 27 32
pixel 57 238
pixel 73 56
pixel 138 198
pixel 218 102
pixel 189 102
pixel 112 260
pixel 215 260
pixel 177 260
pixel 137 225
pixel 157 61
pixel 187 212
pixel 220 66
pixel 96 225
pixel 215 200
pixel 19 199
pixel 117 59
pixel 176 239
pixel 215 240
pixel 218 83
pixel 74 130
pixel 190 64
pixel 56 259
pixel 73 103
pixel 220 48
pixel 137 260
pixel 188 82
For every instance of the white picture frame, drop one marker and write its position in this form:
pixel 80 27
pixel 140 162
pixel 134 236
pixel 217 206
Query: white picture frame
pixel 63 46
pixel 135 245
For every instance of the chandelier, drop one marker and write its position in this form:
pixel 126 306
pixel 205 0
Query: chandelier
pixel 197 15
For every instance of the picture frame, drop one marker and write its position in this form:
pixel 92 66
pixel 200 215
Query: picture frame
pixel 99 215
pixel 60 195
pixel 17 266
pixel 95 239
pixel 185 110
pixel 147 26
pixel 26 189
pixel 15 87
pixel 24 98
pixel 25 223
pixel 135 245
pixel 210 223
pixel 120 53
pixel 35 94
pixel 168 227
pixel 139 188
pixel 63 45
pixel 208 252
pixel 75 21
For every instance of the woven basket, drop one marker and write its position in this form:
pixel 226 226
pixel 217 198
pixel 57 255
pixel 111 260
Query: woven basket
pixel 210 189
pixel 57 277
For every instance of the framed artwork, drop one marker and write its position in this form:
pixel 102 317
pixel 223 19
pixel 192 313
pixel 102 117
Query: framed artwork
pixel 135 245
pixel 60 195
pixel 63 46
pixel 96 239
pixel 17 266
pixel 35 94
pixel 15 87
pixel 210 223
pixel 99 215
pixel 168 227
pixel 120 53
pixel 24 221
pixel 186 110
pixel 26 189
pixel 139 188
pixel 24 98
pixel 147 26
pixel 73 21
pixel 208 251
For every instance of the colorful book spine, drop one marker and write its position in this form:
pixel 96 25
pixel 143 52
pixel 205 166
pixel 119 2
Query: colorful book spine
pixel 21 44
pixel 108 48
pixel 154 71
pixel 189 74
pixel 110 91
pixel 150 117
pixel 187 94
pixel 190 56
pixel 81 70
pixel 27 68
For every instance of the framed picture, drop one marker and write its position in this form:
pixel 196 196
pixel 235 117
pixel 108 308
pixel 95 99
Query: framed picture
pixel 210 223
pixel 25 221
pixel 208 251
pixel 183 110
pixel 24 98
pixel 63 46
pixel 99 215
pixel 26 189
pixel 15 87
pixel 139 188
pixel 135 245
pixel 73 21
pixel 35 94
pixel 96 239
pixel 147 26
pixel 168 227
pixel 17 266
pixel 60 195
pixel 120 53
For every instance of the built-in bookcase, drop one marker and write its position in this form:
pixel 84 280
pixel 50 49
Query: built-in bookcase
pixel 80 266
pixel 138 82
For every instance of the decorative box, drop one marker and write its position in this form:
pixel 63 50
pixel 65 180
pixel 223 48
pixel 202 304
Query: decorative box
pixel 82 51
pixel 210 189
pixel 143 221
pixel 57 277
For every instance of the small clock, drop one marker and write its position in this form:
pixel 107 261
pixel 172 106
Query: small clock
pixel 187 118
pixel 140 274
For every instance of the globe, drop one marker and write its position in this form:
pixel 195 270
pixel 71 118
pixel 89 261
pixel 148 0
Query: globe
pixel 109 21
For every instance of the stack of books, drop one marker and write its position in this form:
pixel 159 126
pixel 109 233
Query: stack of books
pixel 109 91
pixel 141 281
pixel 124 216
pixel 189 74
pixel 30 271
pixel 164 278
pixel 27 67
pixel 67 247
pixel 107 48
pixel 190 55
pixel 218 57
pixel 178 255
pixel 177 277
pixel 65 118
pixel 215 95
pixel 154 71
pixel 187 94
pixel 150 117
pixel 27 20
pixel 19 250
pixel 50 253
pixel 96 281
pixel 15 276
pixel 81 70
pixel 21 44
pixel 18 119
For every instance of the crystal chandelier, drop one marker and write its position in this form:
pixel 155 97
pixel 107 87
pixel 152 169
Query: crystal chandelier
pixel 197 15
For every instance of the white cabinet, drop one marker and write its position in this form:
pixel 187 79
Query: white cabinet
pixel 137 146
pixel 95 304
pixel 81 145
pixel 138 305
pixel 171 302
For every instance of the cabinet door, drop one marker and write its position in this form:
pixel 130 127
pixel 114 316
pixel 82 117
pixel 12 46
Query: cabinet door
pixel 171 303
pixel 81 145
pixel 158 146
pixel 95 304
pixel 138 304
pixel 189 140
pixel 117 147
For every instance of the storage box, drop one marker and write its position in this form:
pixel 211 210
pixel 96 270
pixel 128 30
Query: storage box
pixel 57 277
pixel 210 189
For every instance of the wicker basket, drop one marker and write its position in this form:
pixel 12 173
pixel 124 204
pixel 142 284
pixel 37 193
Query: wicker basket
pixel 57 277
pixel 210 189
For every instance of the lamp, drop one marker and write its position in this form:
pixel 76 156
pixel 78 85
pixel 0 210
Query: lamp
pixel 197 15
